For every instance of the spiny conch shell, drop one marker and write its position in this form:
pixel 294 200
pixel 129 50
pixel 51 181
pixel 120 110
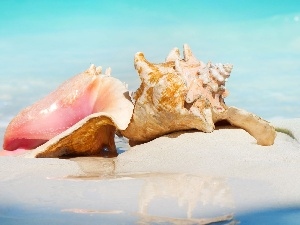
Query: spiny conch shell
pixel 182 94
pixel 79 118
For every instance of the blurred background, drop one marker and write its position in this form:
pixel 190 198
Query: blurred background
pixel 43 43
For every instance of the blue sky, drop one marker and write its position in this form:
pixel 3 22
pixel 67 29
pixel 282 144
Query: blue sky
pixel 43 43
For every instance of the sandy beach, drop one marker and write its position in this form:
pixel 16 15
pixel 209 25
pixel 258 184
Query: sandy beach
pixel 182 178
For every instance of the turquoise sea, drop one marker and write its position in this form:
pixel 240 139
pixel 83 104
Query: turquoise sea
pixel 46 42
pixel 43 43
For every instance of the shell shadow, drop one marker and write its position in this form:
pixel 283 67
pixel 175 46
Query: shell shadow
pixel 223 124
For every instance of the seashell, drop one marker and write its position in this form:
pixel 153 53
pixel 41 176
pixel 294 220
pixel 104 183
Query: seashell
pixel 79 118
pixel 183 94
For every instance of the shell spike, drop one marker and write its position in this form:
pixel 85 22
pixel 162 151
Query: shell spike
pixel 188 54
pixel 92 68
pixel 173 55
pixel 108 71
pixel 98 70
pixel 228 67
pixel 138 59
pixel 142 66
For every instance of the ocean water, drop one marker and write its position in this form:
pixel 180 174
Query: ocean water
pixel 43 43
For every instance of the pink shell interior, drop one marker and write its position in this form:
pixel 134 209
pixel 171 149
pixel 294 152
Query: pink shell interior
pixel 72 101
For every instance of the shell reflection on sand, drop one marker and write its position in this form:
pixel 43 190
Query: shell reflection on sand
pixel 198 199
pixel 210 196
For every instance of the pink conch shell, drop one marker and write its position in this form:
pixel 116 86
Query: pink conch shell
pixel 182 94
pixel 88 98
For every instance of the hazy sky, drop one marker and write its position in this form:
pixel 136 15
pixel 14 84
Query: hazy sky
pixel 45 42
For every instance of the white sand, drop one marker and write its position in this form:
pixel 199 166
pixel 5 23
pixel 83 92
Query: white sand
pixel 272 171
pixel 182 176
